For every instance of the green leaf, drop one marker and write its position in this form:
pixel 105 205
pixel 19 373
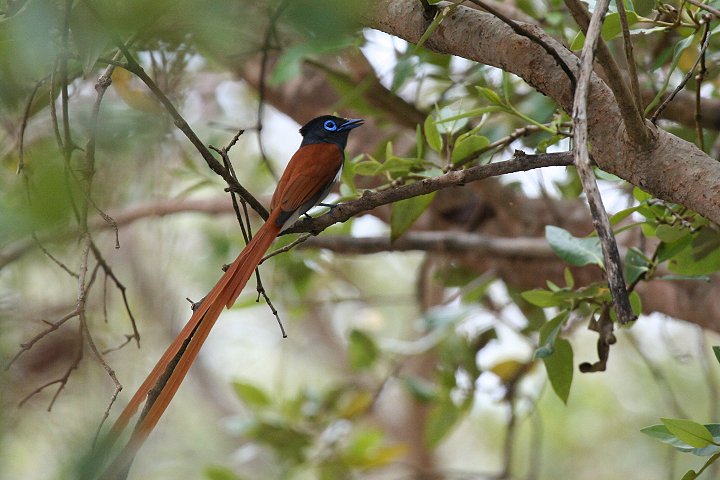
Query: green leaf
pixel 559 366
pixel 420 144
pixel 467 145
pixel 490 95
pixel 667 251
pixel 671 233
pixel 251 394
pixel 677 52
pixel 685 262
pixel 405 212
pixel 716 351
pixel 362 350
pixel 689 475
pixel 635 302
pixel 622 215
pixel 575 251
pixel 90 37
pixel 643 7
pixel 404 69
pixel 688 431
pixel 420 389
pixel 569 280
pixel 432 135
pixel 636 265
pixel 541 298
pixel 548 335
pixel 641 195
pixel 611 28
pixel 455 112
pixel 662 434
pixel 441 420
pixel 368 167
pixel 220 473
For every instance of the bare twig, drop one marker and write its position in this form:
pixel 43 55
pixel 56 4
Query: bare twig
pixel 247 233
pixel 62 381
pixel 51 327
pixel 705 7
pixel 525 32
pixel 288 247
pixel 699 78
pixel 688 75
pixel 23 127
pixel 436 241
pixel 370 200
pixel 629 55
pixel 613 268
pixel 134 67
pixel 101 87
pixel 503 142
pixel 120 286
pixel 630 111
pixel 106 367
pixel 269 31
pixel 55 260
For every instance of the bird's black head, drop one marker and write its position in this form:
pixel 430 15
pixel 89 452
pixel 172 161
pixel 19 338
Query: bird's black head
pixel 328 129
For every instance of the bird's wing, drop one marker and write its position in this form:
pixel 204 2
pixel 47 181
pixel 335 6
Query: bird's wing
pixel 309 172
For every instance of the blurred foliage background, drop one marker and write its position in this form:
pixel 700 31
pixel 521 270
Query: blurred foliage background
pixel 425 363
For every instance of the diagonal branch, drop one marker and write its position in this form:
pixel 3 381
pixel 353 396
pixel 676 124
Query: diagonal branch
pixel 371 200
pixel 613 267
pixel 483 38
pixel 630 111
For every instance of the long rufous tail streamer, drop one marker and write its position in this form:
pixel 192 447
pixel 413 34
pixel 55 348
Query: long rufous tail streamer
pixel 191 338
pixel 308 177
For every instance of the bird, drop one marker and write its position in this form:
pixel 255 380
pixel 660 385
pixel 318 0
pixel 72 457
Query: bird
pixel 308 178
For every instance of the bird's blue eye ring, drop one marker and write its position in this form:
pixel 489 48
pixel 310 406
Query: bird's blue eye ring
pixel 330 125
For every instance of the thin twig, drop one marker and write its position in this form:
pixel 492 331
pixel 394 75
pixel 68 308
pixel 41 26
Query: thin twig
pixel 269 31
pixel 101 87
pixel 521 30
pixel 23 127
pixel 613 268
pixel 503 142
pixel 688 75
pixel 110 372
pixel 287 247
pixel 134 67
pixel 51 327
pixel 62 380
pixel 434 241
pixel 52 257
pixel 707 8
pixel 629 55
pixel 247 232
pixel 120 286
pixel 454 178
pixel 630 111
pixel 699 78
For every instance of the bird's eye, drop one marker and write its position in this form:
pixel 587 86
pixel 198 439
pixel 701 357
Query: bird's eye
pixel 330 126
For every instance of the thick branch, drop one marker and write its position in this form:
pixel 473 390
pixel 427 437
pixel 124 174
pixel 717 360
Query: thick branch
pixel 438 242
pixel 485 39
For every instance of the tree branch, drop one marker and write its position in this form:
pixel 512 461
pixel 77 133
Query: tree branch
pixel 631 112
pixel 437 242
pixel 483 38
pixel 371 200
pixel 613 267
